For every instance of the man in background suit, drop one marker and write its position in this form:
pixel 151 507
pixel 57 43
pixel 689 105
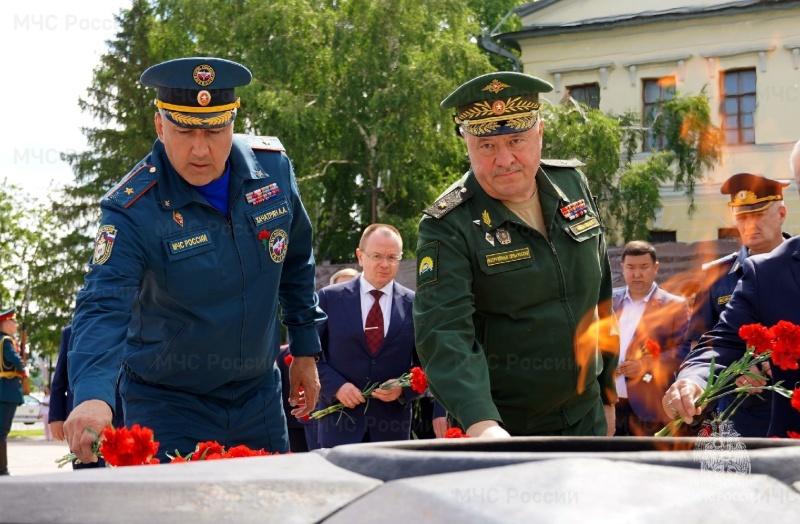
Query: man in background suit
pixel 367 339
pixel 645 311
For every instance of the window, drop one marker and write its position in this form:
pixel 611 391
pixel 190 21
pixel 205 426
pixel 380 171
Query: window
pixel 587 94
pixel 660 237
pixel 739 106
pixel 728 233
pixel 655 90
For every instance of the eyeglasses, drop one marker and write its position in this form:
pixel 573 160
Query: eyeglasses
pixel 392 260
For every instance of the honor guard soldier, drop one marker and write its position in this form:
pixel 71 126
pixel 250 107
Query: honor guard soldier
pixel 196 248
pixel 512 274
pixel 757 208
pixel 10 380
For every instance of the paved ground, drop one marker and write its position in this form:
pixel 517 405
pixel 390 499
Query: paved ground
pixel 35 455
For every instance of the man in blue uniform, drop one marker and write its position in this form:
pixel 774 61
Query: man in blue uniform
pixel 757 207
pixel 766 293
pixel 197 247
pixel 10 380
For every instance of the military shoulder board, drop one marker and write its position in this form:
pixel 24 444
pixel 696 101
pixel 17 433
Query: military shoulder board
pixel 447 202
pixel 263 143
pixel 134 185
pixel 724 260
pixel 552 162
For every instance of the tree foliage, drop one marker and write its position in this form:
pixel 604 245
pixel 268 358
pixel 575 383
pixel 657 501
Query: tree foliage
pixel 627 184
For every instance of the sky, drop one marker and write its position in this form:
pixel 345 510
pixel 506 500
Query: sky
pixel 50 49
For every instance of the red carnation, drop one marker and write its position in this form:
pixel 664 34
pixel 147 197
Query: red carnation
pixel 793 434
pixel 757 337
pixel 288 359
pixel 455 433
pixel 419 382
pixel 786 348
pixel 796 399
pixel 204 449
pixel 652 348
pixel 263 235
pixel 128 447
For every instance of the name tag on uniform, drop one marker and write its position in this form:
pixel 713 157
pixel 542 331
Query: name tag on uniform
pixel 506 257
pixel 193 241
pixel 271 212
pixel 589 223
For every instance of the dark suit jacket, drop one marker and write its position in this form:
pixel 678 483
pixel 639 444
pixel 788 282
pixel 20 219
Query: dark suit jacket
pixel 60 394
pixel 347 358
pixel 768 292
pixel 665 320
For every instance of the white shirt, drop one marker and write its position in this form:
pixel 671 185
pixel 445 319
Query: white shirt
pixel 385 302
pixel 628 318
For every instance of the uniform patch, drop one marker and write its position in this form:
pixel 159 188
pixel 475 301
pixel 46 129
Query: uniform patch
pixel 428 264
pixel 262 194
pixel 106 236
pixel 723 300
pixel 278 244
pixel 192 241
pixel 589 223
pixel 177 217
pixel 507 257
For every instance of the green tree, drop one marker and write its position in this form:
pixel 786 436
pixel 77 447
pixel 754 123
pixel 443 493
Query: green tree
pixel 627 190
pixel 352 90
pixel 26 233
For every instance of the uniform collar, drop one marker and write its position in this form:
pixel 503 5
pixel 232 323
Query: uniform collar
pixel 175 192
pixel 494 214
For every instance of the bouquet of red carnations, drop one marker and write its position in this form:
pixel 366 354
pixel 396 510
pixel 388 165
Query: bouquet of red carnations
pixel 780 343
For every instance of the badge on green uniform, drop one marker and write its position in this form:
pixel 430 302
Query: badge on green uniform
pixel 428 264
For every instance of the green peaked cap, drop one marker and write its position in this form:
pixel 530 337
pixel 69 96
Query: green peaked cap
pixel 497 103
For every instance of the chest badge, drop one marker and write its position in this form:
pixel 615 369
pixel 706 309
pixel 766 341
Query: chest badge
pixel 177 217
pixel 262 194
pixel 503 236
pixel 278 244
pixel 490 239
pixel 574 210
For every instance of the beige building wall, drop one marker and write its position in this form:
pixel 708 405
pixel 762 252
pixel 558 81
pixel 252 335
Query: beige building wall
pixel 695 51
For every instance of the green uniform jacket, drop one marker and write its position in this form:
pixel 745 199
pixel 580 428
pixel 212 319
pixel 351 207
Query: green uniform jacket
pixel 498 307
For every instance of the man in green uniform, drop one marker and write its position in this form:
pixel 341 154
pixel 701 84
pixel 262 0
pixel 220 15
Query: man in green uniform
pixel 513 311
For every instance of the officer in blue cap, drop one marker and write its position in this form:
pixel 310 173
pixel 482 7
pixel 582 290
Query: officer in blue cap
pixel 11 375
pixel 197 247
pixel 756 205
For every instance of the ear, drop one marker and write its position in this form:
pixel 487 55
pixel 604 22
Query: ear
pixel 159 126
pixel 359 254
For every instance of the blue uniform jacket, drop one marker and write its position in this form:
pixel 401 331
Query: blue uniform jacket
pixel 11 388
pixel 665 321
pixel 769 291
pixel 61 394
pixel 347 358
pixel 752 417
pixel 185 298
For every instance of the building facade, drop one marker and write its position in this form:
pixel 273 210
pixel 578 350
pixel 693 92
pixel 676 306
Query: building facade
pixel 628 54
